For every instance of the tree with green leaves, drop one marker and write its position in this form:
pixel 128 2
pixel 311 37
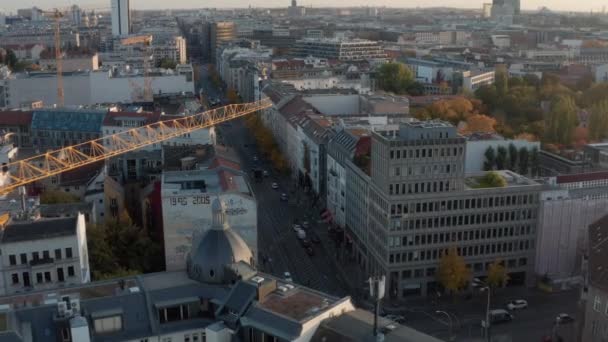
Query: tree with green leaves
pixel 497 275
pixel 501 80
pixel 394 77
pixel 453 273
pixel 534 162
pixel 598 121
pixel 562 120
pixel 513 158
pixel 524 160
pixel 167 63
pixel 57 197
pixel 490 161
pixel 492 179
pixel 501 157
pixel 11 59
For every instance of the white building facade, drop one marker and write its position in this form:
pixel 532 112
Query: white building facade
pixel 44 254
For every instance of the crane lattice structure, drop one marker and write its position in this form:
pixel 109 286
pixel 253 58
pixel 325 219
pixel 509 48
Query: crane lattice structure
pixel 52 163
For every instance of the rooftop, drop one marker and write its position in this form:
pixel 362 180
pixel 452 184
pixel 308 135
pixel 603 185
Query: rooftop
pixel 15 118
pixel 473 181
pixel 298 304
pixel 39 230
pixel 68 120
pixel 114 118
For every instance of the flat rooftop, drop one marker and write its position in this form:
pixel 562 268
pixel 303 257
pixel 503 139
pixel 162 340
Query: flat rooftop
pixel 472 181
pixel 297 304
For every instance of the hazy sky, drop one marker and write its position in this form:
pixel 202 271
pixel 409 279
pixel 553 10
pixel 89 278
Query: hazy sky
pixel 585 5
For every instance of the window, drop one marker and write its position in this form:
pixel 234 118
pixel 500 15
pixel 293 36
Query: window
pixel 45 255
pixel 70 271
pixel 47 277
pixel 68 253
pixel 108 324
pixel 39 277
pixel 23 258
pixel 12 259
pixel 35 256
pixel 58 254
pixel 597 303
pixel 15 277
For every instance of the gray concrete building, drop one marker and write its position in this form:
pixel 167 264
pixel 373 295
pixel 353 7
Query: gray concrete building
pixel 421 203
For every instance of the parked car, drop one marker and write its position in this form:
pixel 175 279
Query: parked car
pixel 315 239
pixel 305 243
pixel 564 318
pixel 395 318
pixel 310 251
pixel 517 304
pixel 287 276
pixel 266 174
pixel 500 316
pixel 297 227
pixel 275 185
pixel 255 158
pixel 301 234
pixel 284 197
pixel 305 225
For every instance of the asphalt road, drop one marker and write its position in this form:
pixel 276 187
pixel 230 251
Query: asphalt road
pixel 530 324
pixel 277 242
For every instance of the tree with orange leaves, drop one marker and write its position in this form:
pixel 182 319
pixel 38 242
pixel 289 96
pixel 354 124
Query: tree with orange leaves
pixel 479 123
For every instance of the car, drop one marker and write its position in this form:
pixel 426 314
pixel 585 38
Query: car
pixel 395 318
pixel 305 225
pixel 305 243
pixel 310 251
pixel 255 158
pixel 315 239
pixel 500 316
pixel 284 197
pixel 564 318
pixel 275 185
pixel 287 276
pixel 517 304
pixel 265 173
pixel 297 227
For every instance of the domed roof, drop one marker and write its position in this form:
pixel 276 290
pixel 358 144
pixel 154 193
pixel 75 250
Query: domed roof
pixel 220 246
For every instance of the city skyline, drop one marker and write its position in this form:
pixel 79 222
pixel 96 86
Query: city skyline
pixel 558 5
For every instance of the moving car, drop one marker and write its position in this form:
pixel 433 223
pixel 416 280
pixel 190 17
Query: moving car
pixel 564 318
pixel 297 227
pixel 284 197
pixel 287 276
pixel 500 316
pixel 305 243
pixel 301 234
pixel 517 304
pixel 305 224
pixel 315 239
pixel 266 174
pixel 275 185
pixel 310 251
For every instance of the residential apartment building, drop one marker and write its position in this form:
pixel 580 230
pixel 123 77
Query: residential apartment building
pixel 344 50
pixel 173 49
pixel 421 203
pixel 18 123
pixel 594 325
pixel 55 128
pixel 43 254
pixel 473 80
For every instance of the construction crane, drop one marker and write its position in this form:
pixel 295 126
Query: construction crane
pixel 146 41
pixel 52 163
pixel 57 15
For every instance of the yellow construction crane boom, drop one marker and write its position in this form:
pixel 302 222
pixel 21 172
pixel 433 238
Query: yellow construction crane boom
pixel 52 163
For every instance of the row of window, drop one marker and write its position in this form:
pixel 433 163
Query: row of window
pixel 467 235
pixel 460 204
pixel 41 277
pixel 477 250
pixel 421 187
pixel 12 258
pixel 427 170
pixel 426 152
pixel 477 267
pixel 462 220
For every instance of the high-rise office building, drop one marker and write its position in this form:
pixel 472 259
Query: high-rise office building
pixel 421 203
pixel 214 35
pixel 76 15
pixel 121 17
pixel 507 6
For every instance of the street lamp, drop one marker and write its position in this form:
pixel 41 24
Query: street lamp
pixel 451 338
pixel 484 287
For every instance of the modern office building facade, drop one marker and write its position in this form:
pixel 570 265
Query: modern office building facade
pixel 344 50
pixel 421 204
pixel 121 17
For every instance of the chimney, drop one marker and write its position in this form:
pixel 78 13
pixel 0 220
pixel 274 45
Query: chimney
pixel 265 287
